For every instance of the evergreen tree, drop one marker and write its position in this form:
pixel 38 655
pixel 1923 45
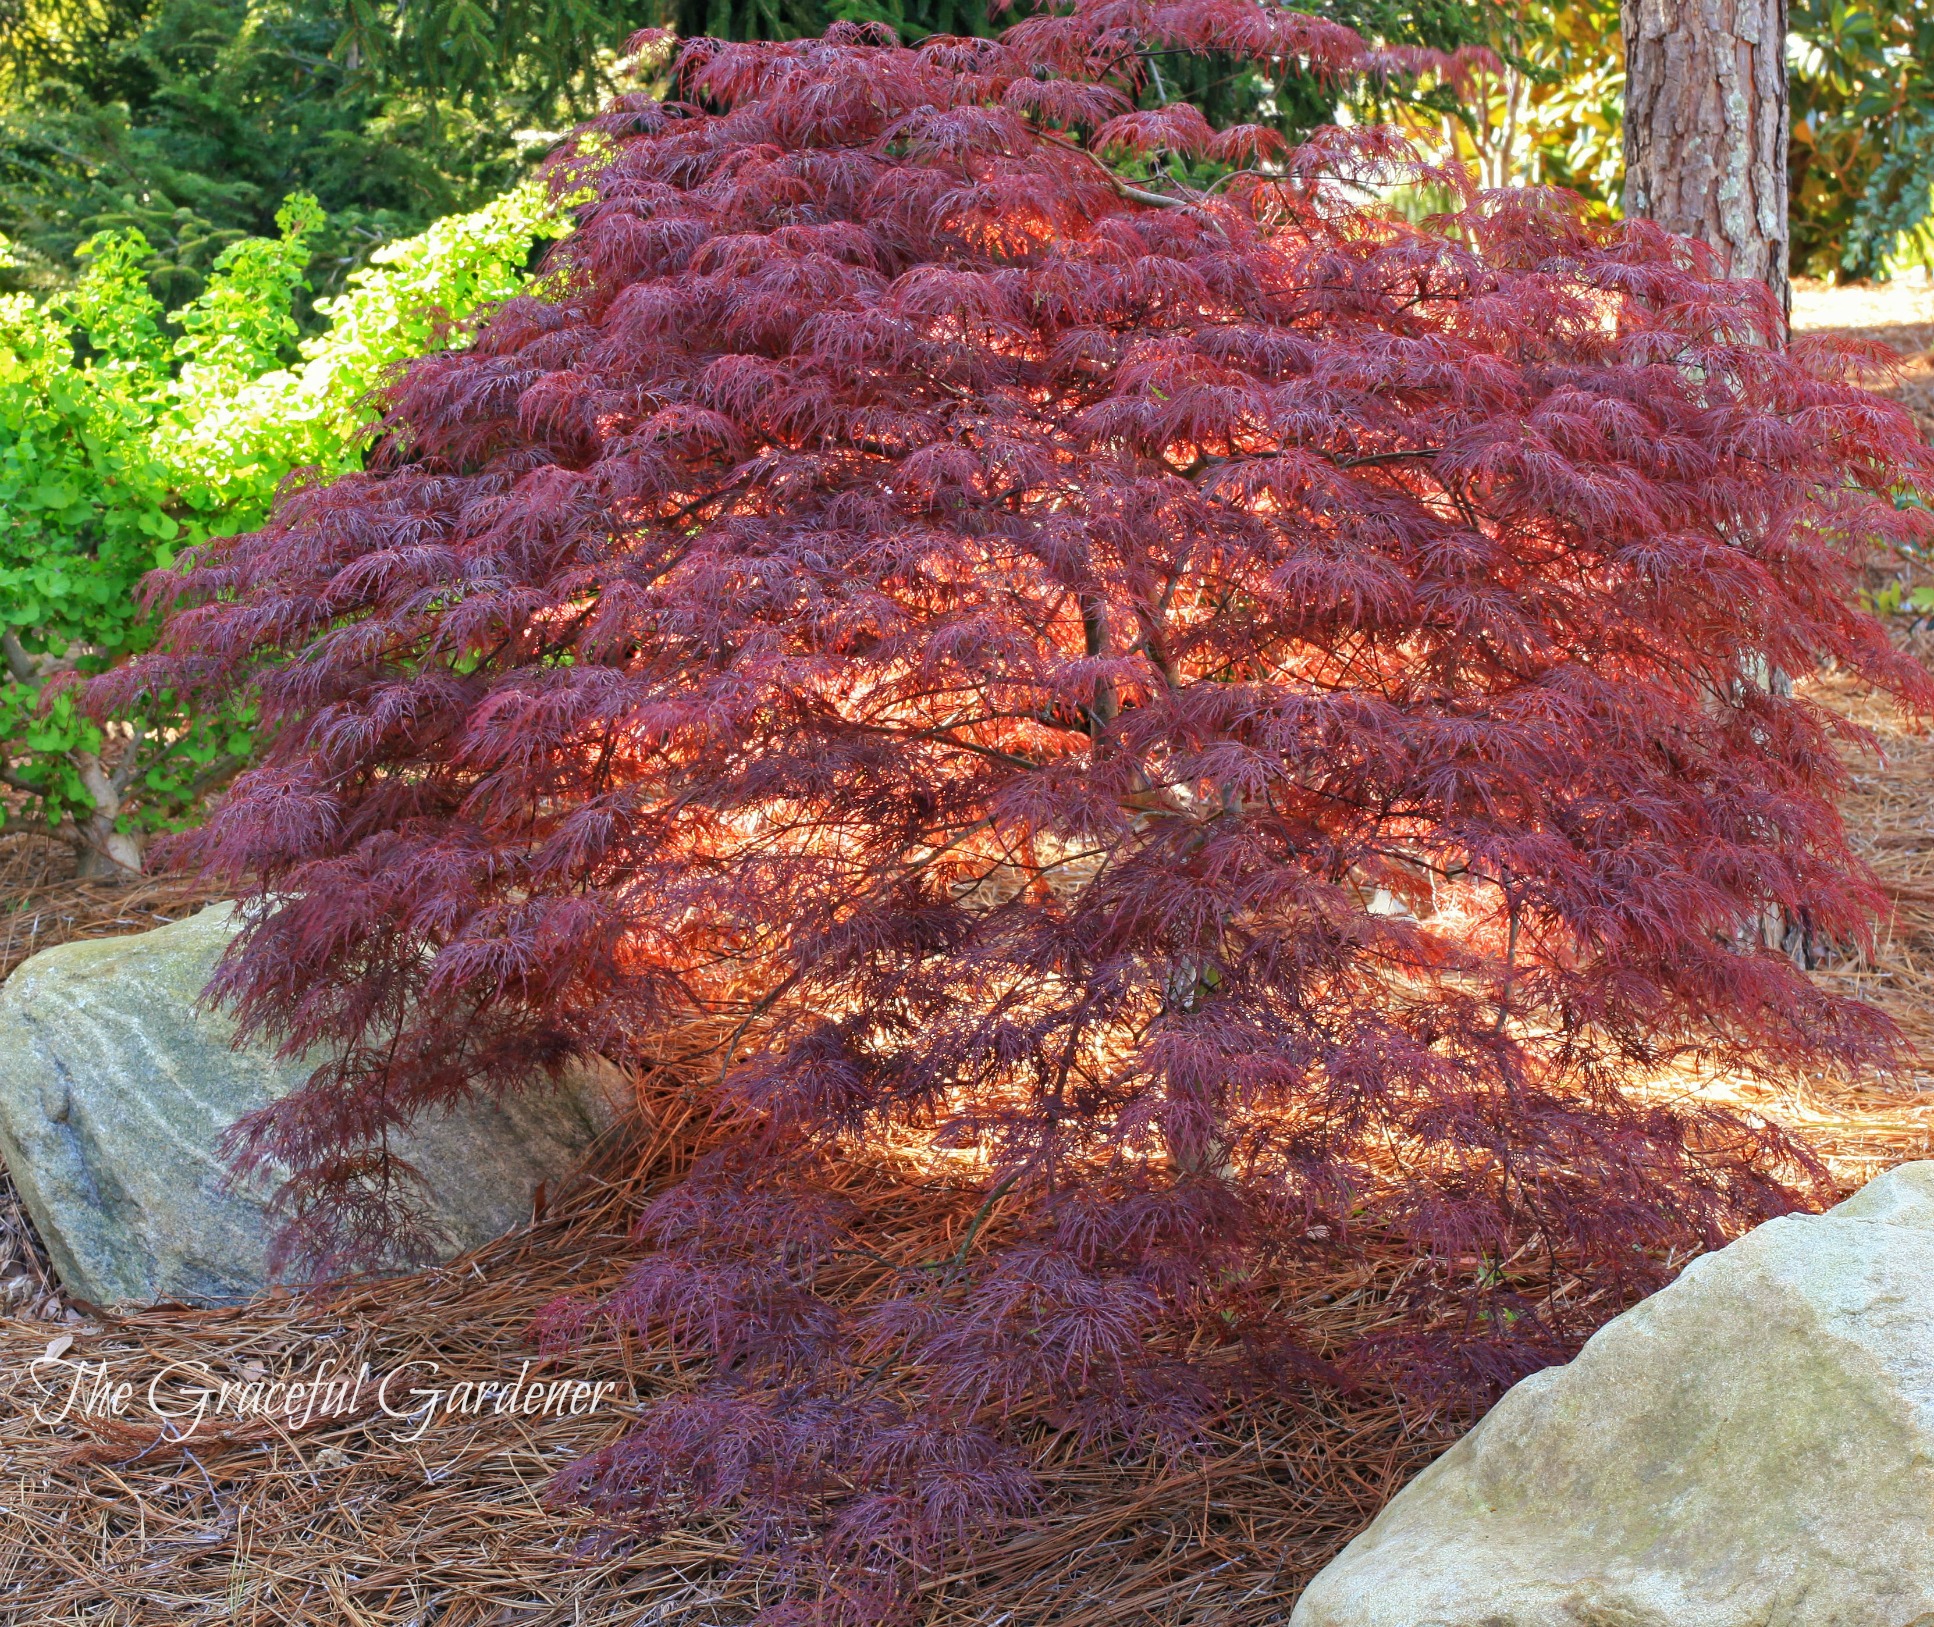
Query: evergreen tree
pixel 191 120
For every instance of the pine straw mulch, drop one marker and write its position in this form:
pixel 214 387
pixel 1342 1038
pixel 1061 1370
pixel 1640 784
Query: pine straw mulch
pixel 1862 1126
pixel 105 1521
pixel 40 905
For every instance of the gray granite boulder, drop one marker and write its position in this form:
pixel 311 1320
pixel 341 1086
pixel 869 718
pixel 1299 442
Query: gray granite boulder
pixel 1751 1447
pixel 115 1085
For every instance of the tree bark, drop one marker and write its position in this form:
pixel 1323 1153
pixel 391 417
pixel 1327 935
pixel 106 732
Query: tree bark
pixel 1707 124
pixel 1706 128
pixel 102 853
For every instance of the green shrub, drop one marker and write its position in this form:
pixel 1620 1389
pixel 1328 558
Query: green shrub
pixel 127 435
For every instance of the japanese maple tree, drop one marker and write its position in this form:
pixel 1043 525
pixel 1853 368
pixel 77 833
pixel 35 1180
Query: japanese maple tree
pixel 1233 723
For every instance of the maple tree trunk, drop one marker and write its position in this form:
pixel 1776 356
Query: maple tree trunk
pixel 1706 126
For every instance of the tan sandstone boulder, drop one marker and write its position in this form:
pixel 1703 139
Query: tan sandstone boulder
pixel 1751 1447
pixel 115 1086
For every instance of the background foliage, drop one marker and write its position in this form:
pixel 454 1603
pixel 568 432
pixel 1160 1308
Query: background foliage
pixel 191 120
pixel 1863 135
pixel 1549 111
pixel 128 432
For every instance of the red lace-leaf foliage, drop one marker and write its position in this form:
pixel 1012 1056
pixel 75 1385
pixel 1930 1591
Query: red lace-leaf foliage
pixel 1234 725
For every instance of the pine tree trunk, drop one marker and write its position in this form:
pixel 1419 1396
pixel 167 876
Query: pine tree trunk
pixel 1706 126
pixel 1707 122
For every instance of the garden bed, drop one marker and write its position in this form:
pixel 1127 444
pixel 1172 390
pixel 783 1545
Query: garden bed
pixel 344 1522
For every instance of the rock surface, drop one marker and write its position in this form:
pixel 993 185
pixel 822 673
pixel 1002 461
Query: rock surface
pixel 115 1087
pixel 1751 1447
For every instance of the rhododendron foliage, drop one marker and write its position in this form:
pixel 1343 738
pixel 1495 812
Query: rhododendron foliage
pixel 1233 725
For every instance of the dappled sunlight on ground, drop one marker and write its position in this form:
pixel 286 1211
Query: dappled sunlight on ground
pixel 1898 315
